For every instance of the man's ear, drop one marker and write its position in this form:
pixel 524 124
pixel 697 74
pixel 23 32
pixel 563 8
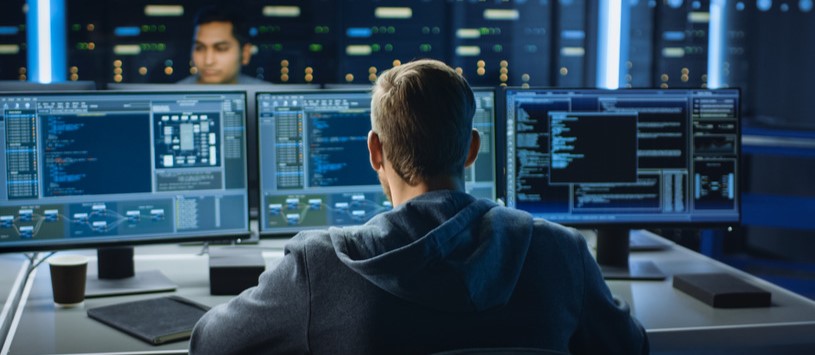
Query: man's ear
pixel 246 53
pixel 375 151
pixel 475 145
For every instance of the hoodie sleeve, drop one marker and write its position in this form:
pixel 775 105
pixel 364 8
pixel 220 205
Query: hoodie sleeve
pixel 269 318
pixel 605 326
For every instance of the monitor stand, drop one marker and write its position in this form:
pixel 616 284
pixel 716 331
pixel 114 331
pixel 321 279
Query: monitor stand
pixel 612 256
pixel 116 276
pixel 639 242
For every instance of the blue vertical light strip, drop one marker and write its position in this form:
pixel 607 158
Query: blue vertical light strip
pixel 44 56
pixel 46 40
pixel 59 41
pixel 625 39
pixel 612 48
pixel 602 43
pixel 716 43
pixel 32 36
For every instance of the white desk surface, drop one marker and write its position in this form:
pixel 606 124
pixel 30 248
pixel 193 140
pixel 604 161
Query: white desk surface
pixel 12 276
pixel 675 321
pixel 678 322
pixel 45 329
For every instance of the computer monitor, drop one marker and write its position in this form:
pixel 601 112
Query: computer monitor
pixel 99 169
pixel 622 159
pixel 314 165
pixel 251 116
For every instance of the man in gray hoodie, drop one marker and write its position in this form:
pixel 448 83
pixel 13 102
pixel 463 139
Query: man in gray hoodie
pixel 442 270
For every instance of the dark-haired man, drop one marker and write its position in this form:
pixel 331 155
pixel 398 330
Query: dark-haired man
pixel 441 271
pixel 220 48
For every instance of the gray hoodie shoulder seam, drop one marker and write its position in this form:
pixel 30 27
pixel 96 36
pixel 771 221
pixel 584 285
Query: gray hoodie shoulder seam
pixel 308 298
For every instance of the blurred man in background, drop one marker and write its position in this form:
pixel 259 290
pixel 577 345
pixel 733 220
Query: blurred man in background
pixel 220 48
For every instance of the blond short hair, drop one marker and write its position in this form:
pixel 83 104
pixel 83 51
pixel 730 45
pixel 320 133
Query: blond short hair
pixel 422 112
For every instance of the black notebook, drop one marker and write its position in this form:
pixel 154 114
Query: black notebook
pixel 156 320
pixel 722 290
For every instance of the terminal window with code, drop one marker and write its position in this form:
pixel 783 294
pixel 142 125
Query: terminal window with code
pixel 625 156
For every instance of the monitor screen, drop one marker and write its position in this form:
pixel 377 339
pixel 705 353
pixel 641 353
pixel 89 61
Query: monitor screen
pixel 94 169
pixel 637 157
pixel 314 166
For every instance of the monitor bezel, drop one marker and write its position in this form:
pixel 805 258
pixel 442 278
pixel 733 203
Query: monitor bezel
pixel 504 92
pixel 112 241
pixel 284 234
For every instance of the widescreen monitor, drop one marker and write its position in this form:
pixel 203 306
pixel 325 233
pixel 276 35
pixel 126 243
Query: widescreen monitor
pixel 624 158
pixel 314 165
pixel 95 169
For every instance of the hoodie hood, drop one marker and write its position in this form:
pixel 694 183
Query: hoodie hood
pixel 444 249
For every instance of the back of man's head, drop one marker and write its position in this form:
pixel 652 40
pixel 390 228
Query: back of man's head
pixel 422 112
pixel 218 13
